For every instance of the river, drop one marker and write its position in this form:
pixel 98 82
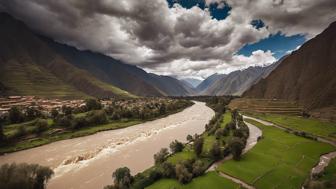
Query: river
pixel 88 162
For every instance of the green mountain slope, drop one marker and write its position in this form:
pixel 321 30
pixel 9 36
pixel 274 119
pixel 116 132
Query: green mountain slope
pixel 29 67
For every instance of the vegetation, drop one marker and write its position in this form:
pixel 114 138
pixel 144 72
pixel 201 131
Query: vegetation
pixel 308 125
pixel 190 160
pixel 39 128
pixel 280 159
pixel 209 180
pixel 327 180
pixel 24 176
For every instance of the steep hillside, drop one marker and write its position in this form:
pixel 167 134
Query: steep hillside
pixel 191 82
pixel 239 81
pixel 306 76
pixel 124 76
pixel 202 87
pixel 29 67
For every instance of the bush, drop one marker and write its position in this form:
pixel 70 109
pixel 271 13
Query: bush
pixel 40 126
pixel 168 170
pixel 79 123
pixel 15 115
pixel 96 117
pixel 20 132
pixel 182 173
pixel 198 146
pixel 64 121
pixel 161 156
pixel 215 151
pixel 122 178
pixel 93 104
pixel 176 146
pixel 24 176
pixel 236 146
pixel 198 168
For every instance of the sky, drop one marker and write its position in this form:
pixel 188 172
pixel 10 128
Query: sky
pixel 184 38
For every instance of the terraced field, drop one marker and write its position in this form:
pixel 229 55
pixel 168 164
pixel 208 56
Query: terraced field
pixel 266 106
pixel 279 160
pixel 313 126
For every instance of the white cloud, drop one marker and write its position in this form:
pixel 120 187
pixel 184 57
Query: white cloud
pixel 175 40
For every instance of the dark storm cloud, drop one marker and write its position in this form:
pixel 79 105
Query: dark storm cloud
pixel 150 34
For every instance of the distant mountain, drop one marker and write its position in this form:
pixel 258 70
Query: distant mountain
pixel 202 87
pixel 42 67
pixel 191 82
pixel 306 76
pixel 29 67
pixel 235 83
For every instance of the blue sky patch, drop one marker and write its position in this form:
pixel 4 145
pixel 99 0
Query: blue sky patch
pixel 279 44
pixel 216 12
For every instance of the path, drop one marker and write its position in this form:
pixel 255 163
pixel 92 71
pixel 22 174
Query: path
pixel 254 134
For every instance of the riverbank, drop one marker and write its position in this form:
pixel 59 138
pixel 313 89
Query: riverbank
pixel 88 162
pixel 70 134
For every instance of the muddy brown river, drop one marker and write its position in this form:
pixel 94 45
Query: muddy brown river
pixel 88 162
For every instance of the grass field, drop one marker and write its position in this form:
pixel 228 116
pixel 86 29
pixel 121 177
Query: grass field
pixel 279 160
pixel 210 180
pixel 309 125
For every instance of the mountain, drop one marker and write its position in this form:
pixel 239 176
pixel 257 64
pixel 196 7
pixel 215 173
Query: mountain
pixel 29 67
pixel 235 83
pixel 35 65
pixel 306 76
pixel 191 82
pixel 208 82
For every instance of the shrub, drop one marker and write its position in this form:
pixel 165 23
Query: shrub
pixel 15 115
pixel 161 156
pixel 182 173
pixel 198 168
pixel 168 170
pixel 24 176
pixel 40 125
pixel 215 151
pixel 198 146
pixel 93 104
pixel 20 132
pixel 236 146
pixel 176 146
pixel 122 178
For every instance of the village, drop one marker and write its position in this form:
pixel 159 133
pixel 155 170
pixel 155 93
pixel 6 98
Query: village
pixel 45 105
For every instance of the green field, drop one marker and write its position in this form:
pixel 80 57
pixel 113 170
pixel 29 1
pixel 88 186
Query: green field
pixel 309 125
pixel 279 160
pixel 210 180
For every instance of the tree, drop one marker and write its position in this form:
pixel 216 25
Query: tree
pixel 161 156
pixel 176 146
pixel 32 113
pixel 15 115
pixel 236 147
pixel 182 173
pixel 198 146
pixel 168 170
pixel 189 138
pixel 2 135
pixel 93 104
pixel 41 125
pixel 54 113
pixel 198 168
pixel 122 178
pixel 24 176
pixel 215 151
pixel 67 110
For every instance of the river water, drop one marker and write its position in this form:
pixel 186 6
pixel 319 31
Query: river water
pixel 88 162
